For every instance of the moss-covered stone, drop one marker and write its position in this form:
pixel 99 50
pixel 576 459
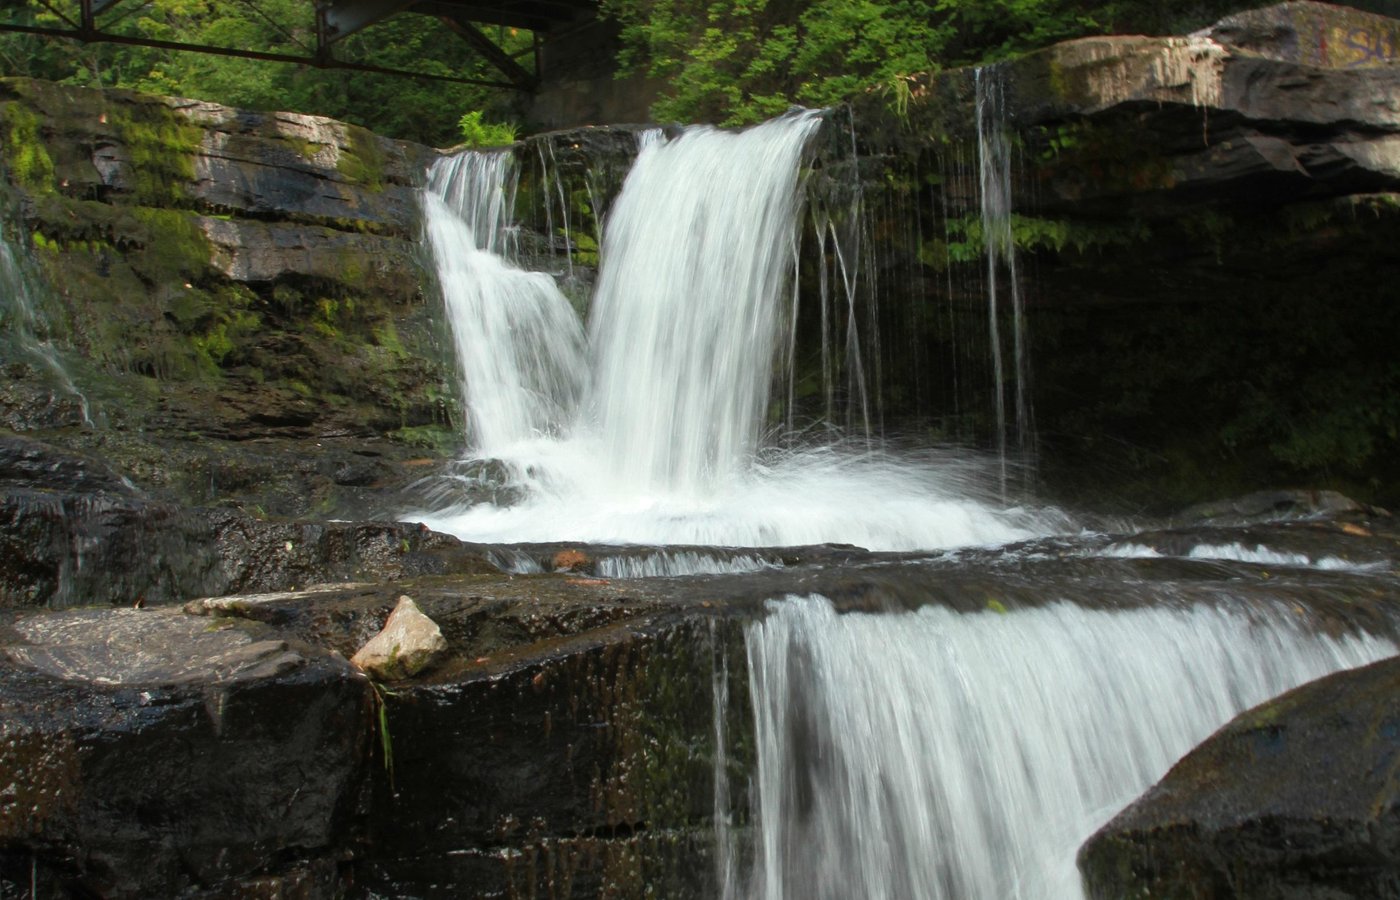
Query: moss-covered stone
pixel 216 277
pixel 26 157
pixel 361 160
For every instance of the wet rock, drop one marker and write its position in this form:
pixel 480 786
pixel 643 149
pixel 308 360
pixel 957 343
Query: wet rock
pixel 109 544
pixel 410 643
pixel 1293 799
pixel 1264 506
pixel 255 283
pixel 558 749
pixel 1184 202
pixel 33 464
pixel 573 767
pixel 149 755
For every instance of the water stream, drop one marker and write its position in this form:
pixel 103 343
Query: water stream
pixel 945 756
pixel 929 754
pixel 26 329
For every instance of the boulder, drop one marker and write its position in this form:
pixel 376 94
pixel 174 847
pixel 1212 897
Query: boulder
pixel 409 643
pixel 1296 799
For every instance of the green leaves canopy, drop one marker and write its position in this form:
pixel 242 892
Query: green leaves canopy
pixel 739 61
pixel 421 110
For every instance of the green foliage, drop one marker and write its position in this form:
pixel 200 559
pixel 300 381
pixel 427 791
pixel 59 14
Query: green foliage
pixel 420 110
pixel 476 133
pixel 739 61
pixel 966 242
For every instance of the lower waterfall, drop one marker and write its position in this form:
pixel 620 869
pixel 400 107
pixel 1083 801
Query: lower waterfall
pixel 944 756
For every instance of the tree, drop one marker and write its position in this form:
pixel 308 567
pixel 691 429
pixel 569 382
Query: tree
pixel 738 61
pixel 422 110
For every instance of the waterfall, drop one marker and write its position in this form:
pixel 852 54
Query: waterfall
pixel 967 757
pixel 1003 279
pixel 528 379
pixel 657 428
pixel 685 341
pixel 28 333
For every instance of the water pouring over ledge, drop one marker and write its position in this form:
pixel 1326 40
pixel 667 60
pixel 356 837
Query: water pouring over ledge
pixel 654 431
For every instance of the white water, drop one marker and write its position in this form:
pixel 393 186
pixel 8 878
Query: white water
pixel 655 432
pixel 683 562
pixel 944 756
pixel 1237 552
pixel 519 343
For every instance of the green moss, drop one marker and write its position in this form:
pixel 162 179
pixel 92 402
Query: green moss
pixel 160 149
pixel 435 438
pixel 303 148
pixel 173 245
pixel 25 153
pixel 386 337
pixel 585 250
pixel 362 161
pixel 216 345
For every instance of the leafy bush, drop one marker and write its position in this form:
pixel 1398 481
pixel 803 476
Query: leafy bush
pixel 476 133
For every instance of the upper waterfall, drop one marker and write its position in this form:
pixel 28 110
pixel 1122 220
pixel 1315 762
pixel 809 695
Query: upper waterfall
pixel 684 341
pixel 660 436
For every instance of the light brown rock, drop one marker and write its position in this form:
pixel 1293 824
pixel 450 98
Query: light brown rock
pixel 409 643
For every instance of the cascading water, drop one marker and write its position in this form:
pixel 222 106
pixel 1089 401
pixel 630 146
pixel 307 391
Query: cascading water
pixel 945 756
pixel 666 443
pixel 684 341
pixel 519 343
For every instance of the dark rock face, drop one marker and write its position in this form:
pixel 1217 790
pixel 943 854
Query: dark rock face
pixel 1293 799
pixel 220 286
pixel 1204 226
pixel 74 533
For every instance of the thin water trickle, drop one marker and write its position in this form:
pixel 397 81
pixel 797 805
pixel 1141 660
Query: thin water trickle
pixel 23 323
pixel 994 160
pixel 654 432
pixel 945 756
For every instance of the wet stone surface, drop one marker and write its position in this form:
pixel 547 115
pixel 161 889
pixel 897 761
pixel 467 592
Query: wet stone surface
pixel 565 744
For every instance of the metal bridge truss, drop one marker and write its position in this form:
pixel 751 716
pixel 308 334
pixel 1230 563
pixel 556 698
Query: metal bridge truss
pixel 547 20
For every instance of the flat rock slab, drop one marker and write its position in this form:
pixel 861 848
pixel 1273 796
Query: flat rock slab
pixel 156 646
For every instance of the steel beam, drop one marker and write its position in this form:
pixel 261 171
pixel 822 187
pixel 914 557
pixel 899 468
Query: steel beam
pixel 518 74
pixel 341 18
pixel 100 37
